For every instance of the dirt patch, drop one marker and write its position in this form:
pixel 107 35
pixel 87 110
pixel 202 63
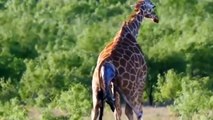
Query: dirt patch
pixel 150 113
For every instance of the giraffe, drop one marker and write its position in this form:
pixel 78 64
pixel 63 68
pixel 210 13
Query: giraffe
pixel 121 68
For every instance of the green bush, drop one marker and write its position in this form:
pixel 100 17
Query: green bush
pixel 168 87
pixel 48 45
pixel 7 90
pixel 75 101
pixel 52 73
pixel 11 67
pixel 13 110
pixel 195 99
pixel 191 97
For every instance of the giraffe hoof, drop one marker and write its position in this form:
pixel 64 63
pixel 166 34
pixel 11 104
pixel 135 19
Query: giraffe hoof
pixel 140 116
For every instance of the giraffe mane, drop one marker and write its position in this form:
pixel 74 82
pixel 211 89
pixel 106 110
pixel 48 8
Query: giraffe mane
pixel 136 10
pixel 138 5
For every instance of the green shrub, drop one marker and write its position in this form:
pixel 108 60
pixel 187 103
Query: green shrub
pixel 11 67
pixel 49 74
pixel 168 87
pixel 48 45
pixel 195 99
pixel 75 101
pixel 192 97
pixel 12 110
pixel 7 90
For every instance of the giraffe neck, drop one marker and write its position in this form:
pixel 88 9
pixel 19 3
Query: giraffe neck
pixel 134 23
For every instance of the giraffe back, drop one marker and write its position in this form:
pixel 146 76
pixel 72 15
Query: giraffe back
pixel 128 59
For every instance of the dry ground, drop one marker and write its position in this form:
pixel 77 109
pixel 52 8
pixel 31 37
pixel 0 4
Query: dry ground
pixel 150 113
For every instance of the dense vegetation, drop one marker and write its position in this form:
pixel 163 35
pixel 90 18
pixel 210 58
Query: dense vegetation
pixel 48 50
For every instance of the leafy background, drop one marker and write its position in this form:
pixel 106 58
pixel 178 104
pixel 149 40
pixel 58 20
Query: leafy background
pixel 49 48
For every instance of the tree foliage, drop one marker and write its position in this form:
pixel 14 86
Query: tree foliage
pixel 49 48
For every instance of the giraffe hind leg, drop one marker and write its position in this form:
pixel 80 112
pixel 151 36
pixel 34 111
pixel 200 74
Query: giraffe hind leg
pixel 140 116
pixel 108 74
pixel 95 110
pixel 118 110
pixel 131 105
pixel 129 112
pixel 101 110
pixel 98 105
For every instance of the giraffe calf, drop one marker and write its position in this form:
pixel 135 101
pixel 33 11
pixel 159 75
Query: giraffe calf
pixel 102 89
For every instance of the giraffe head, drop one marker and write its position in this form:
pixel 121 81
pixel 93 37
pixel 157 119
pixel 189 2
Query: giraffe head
pixel 146 7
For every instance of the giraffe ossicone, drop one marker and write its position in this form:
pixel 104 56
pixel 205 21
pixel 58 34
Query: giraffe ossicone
pixel 121 68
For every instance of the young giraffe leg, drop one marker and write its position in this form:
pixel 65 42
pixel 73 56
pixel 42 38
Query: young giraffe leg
pixel 118 110
pixel 101 110
pixel 95 109
pixel 129 112
pixel 98 105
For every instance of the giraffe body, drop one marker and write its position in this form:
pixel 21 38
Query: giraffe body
pixel 127 69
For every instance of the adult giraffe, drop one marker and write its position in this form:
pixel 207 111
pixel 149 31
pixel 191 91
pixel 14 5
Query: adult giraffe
pixel 122 67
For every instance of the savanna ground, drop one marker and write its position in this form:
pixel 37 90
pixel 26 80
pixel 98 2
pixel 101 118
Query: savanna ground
pixel 150 113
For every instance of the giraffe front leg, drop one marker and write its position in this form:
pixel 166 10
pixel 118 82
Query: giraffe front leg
pixel 118 110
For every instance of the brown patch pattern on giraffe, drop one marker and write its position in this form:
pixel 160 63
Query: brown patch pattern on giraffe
pixel 126 56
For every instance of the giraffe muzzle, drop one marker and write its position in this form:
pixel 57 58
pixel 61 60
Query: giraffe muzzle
pixel 155 18
pixel 152 16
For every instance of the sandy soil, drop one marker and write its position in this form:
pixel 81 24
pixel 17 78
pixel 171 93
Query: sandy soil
pixel 150 113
